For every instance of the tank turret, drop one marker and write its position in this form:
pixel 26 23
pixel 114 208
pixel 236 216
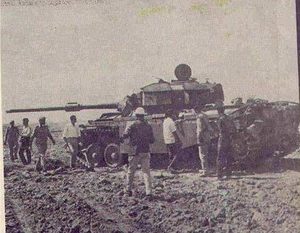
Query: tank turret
pixel 155 98
pixel 183 93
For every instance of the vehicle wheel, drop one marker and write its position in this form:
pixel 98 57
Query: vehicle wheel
pixel 112 155
pixel 93 155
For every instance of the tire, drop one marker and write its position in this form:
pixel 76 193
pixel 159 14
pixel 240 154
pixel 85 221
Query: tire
pixel 112 155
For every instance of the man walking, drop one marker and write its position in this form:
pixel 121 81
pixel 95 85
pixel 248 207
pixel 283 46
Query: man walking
pixel 141 136
pixel 204 135
pixel 71 137
pixel 227 133
pixel 171 138
pixel 11 136
pixel 25 142
pixel 41 133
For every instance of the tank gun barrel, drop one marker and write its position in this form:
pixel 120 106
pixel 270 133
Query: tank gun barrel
pixel 70 107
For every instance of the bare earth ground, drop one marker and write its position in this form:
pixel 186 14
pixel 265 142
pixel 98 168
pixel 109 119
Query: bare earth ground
pixel 78 201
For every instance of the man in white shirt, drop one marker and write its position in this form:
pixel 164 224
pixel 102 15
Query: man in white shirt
pixel 171 138
pixel 71 137
pixel 25 142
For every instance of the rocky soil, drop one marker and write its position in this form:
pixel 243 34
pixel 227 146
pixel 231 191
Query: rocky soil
pixel 78 201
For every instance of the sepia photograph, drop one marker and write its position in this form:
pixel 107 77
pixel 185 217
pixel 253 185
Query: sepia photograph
pixel 150 116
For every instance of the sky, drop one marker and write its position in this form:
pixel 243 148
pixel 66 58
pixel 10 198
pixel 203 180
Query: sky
pixel 99 51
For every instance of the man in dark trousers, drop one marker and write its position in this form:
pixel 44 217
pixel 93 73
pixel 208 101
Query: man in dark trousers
pixel 41 133
pixel 11 137
pixel 227 133
pixel 25 142
pixel 141 136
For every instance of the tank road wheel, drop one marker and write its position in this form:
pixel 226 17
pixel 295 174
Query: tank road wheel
pixel 112 155
pixel 93 155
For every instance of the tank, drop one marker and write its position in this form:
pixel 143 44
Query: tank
pixel 264 129
pixel 255 121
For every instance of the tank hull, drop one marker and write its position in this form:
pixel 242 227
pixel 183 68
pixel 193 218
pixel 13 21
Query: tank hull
pixel 263 129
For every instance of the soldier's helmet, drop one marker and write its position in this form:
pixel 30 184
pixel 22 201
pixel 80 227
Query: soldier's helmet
pixel 140 111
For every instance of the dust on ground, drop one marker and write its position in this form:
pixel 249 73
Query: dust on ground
pixel 78 201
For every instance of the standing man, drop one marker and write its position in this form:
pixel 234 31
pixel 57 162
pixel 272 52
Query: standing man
pixel 25 142
pixel 41 133
pixel 171 138
pixel 11 136
pixel 227 133
pixel 204 135
pixel 141 136
pixel 71 137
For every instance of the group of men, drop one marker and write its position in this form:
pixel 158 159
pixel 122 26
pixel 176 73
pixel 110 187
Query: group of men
pixel 225 134
pixel 41 133
pixel 141 136
pixel 205 134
